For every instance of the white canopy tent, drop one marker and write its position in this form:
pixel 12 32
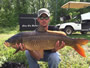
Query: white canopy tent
pixel 73 4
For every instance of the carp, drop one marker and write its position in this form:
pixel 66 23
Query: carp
pixel 41 41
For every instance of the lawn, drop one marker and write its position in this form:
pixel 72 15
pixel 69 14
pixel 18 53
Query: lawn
pixel 70 58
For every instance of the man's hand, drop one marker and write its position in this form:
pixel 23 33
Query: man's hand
pixel 21 46
pixel 34 54
pixel 58 46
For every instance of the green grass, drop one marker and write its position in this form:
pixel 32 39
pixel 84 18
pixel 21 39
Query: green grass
pixel 70 58
pixel 6 54
pixel 9 30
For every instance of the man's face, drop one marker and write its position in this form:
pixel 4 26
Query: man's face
pixel 43 20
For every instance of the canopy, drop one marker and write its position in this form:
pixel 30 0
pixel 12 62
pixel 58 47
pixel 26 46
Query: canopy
pixel 78 5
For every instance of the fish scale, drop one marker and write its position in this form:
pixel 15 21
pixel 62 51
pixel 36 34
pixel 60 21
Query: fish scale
pixel 39 43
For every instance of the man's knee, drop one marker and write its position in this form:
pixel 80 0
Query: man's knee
pixel 54 57
pixel 27 53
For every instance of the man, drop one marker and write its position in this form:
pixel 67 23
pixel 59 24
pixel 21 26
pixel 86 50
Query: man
pixel 50 56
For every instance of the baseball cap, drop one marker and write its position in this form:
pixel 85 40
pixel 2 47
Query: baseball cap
pixel 43 10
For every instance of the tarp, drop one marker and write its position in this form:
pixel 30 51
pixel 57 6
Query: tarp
pixel 73 4
pixel 85 16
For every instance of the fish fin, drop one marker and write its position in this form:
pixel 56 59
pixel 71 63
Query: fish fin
pixel 5 46
pixel 17 50
pixel 78 44
pixel 57 32
pixel 80 50
pixel 81 41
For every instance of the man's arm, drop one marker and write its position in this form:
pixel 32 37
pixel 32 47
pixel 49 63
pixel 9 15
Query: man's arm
pixel 35 54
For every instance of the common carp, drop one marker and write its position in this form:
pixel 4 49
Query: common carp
pixel 41 41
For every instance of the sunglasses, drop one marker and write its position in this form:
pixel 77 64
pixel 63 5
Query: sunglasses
pixel 46 18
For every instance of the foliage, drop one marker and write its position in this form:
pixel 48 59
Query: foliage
pixel 11 9
pixel 60 12
pixel 6 54
pixel 9 30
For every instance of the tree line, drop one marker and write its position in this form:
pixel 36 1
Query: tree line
pixel 11 9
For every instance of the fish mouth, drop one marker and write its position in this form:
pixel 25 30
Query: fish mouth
pixel 7 44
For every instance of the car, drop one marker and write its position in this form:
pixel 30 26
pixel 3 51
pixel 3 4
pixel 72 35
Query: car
pixel 83 26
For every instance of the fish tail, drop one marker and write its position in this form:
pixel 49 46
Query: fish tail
pixel 78 44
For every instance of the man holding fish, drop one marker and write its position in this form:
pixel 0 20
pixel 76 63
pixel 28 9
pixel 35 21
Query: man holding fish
pixel 42 43
pixel 50 56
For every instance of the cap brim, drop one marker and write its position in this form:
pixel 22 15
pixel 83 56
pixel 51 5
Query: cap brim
pixel 44 13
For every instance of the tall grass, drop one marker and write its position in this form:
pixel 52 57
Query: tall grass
pixel 69 57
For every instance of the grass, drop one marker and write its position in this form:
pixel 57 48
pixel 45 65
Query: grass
pixel 9 30
pixel 70 58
